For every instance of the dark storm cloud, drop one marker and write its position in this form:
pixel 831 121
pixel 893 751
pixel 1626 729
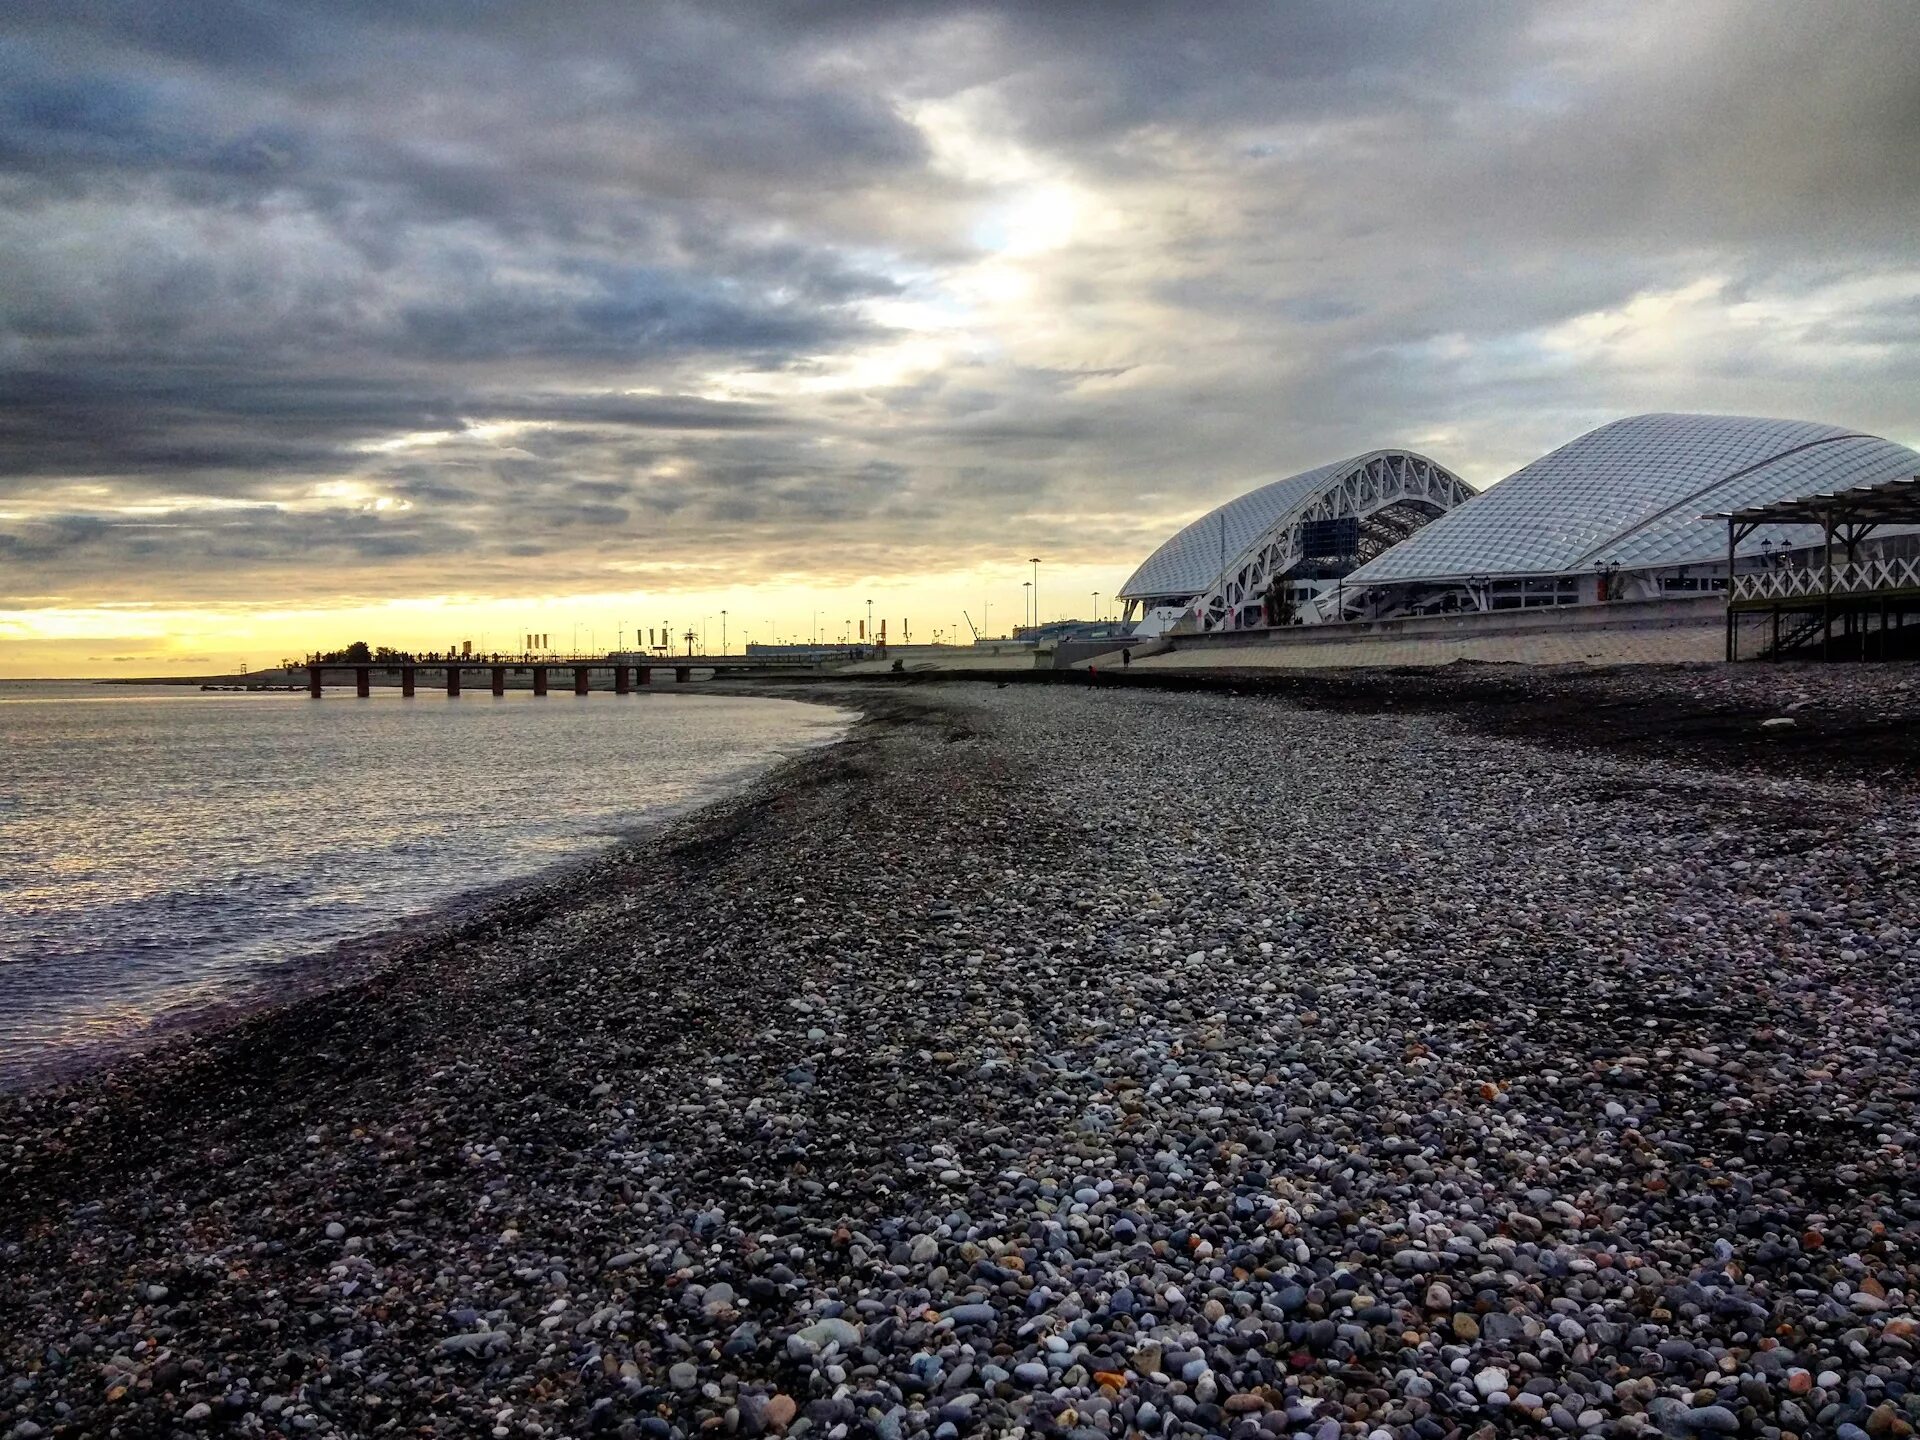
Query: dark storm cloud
pixel 214 433
pixel 1722 120
pixel 384 284
pixel 1091 82
pixel 628 314
pixel 504 113
pixel 179 544
pixel 739 499
pixel 233 434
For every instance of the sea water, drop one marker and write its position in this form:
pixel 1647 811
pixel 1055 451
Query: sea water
pixel 167 854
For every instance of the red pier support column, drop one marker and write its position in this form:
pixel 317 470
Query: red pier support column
pixel 644 675
pixel 313 681
pixel 453 682
pixel 362 680
pixel 406 682
pixel 499 679
pixel 579 679
pixel 622 680
pixel 539 679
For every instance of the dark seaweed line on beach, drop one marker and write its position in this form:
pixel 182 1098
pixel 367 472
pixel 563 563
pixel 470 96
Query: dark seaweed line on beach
pixel 1845 720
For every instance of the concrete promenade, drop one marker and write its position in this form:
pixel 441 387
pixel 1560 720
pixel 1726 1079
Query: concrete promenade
pixel 1636 632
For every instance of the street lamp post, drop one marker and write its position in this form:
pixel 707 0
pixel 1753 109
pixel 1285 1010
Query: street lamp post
pixel 1027 602
pixel 723 632
pixel 869 622
pixel 1096 605
pixel 1035 562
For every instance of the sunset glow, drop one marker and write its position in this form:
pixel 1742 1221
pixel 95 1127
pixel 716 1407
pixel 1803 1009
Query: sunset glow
pixel 754 313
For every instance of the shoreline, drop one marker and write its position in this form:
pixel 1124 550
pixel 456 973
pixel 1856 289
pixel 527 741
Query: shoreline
pixel 316 969
pixel 1074 1059
pixel 396 957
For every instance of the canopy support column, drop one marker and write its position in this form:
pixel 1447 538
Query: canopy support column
pixel 1826 589
pixel 1733 632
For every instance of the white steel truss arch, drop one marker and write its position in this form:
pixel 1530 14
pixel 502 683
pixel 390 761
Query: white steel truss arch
pixel 1365 488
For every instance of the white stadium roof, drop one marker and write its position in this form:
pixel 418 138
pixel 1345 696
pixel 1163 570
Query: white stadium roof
pixel 1193 557
pixel 1635 493
pixel 1198 557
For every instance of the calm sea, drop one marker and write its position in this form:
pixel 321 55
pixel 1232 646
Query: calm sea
pixel 168 853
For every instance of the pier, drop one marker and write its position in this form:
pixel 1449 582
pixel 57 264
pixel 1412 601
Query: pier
pixel 1849 604
pixel 626 672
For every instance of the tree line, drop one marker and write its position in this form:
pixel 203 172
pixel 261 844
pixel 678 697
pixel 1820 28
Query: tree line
pixel 358 653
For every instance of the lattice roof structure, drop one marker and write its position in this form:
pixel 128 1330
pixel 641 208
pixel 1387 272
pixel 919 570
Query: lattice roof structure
pixel 1636 495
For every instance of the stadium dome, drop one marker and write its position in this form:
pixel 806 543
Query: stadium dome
pixel 1223 566
pixel 1633 499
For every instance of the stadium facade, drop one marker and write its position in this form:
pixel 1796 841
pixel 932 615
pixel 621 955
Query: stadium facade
pixel 1269 555
pixel 1623 512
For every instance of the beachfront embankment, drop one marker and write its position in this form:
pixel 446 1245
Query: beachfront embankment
pixel 1085 1059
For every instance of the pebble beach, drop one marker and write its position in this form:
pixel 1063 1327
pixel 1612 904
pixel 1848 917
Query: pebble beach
pixel 1066 1060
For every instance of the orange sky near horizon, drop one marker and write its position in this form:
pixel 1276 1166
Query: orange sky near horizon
pixel 110 641
pixel 426 324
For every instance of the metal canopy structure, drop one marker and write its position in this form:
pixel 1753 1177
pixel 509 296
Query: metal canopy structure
pixel 1892 502
pixel 1809 597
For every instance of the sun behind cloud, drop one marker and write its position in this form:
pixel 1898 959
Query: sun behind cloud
pixel 423 323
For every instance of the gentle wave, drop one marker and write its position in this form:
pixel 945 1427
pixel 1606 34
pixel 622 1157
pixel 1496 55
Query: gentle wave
pixel 164 852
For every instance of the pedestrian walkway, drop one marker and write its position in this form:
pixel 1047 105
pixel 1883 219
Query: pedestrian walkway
pixel 1651 646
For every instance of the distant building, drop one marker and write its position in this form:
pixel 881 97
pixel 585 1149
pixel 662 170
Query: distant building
pixel 1052 632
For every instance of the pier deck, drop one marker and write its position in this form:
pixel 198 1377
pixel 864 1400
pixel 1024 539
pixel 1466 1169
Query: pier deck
pixel 625 673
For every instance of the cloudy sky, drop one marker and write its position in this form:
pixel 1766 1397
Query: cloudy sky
pixel 422 319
